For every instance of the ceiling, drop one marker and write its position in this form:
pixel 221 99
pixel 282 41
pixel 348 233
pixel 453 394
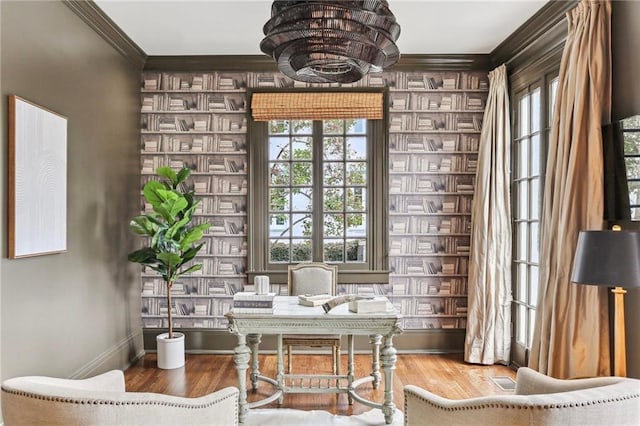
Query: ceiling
pixel 234 27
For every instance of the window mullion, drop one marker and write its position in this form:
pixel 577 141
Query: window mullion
pixel 317 208
pixel 259 201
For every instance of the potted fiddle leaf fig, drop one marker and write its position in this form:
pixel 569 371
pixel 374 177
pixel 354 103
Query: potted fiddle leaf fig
pixel 173 241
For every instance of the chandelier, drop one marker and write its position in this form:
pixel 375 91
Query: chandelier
pixel 323 41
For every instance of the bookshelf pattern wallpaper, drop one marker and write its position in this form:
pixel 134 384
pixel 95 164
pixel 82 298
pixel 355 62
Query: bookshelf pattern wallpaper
pixel 199 120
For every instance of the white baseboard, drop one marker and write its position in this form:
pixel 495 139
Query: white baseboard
pixel 120 356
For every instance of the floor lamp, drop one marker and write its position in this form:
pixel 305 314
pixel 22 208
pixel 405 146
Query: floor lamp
pixel 610 258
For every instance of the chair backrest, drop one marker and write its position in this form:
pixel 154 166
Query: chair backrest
pixel 102 400
pixel 538 400
pixel 312 278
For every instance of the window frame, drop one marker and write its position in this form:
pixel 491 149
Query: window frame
pixel 375 269
pixel 634 208
pixel 541 81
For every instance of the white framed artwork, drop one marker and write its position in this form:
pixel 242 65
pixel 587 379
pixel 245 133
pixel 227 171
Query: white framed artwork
pixel 37 212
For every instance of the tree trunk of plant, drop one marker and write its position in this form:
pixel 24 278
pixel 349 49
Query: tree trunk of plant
pixel 170 318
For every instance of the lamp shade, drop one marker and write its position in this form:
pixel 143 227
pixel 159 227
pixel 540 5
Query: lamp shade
pixel 608 258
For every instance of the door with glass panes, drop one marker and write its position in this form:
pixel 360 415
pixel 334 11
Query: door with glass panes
pixel 533 110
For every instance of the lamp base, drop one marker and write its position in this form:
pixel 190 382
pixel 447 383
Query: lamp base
pixel 619 344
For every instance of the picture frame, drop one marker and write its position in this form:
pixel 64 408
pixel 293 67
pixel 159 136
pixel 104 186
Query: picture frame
pixel 37 213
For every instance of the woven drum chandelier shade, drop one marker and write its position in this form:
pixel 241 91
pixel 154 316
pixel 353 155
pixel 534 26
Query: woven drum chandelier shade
pixel 331 41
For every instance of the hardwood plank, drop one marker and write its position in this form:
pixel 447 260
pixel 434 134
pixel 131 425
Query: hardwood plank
pixel 447 375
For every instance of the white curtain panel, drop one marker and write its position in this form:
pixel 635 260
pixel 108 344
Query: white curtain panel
pixel 488 339
pixel 571 335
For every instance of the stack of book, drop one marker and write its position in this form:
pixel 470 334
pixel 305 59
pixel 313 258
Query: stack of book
pixel 248 302
pixel 370 305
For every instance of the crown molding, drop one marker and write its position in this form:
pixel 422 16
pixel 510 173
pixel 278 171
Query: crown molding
pixel 187 63
pixel 547 24
pixel 90 13
pixel 541 61
pixel 263 63
pixel 462 62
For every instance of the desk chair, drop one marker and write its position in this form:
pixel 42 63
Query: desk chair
pixel 313 278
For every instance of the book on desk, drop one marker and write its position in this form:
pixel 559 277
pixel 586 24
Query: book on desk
pixel 360 304
pixel 248 302
pixel 370 305
pixel 313 299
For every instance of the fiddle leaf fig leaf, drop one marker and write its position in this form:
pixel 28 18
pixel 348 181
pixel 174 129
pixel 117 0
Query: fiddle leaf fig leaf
pixel 159 269
pixel 193 235
pixel 164 210
pixel 191 253
pixel 183 175
pixel 144 256
pixel 143 225
pixel 169 259
pixel 171 232
pixel 167 172
pixel 192 268
pixel 150 192
pixel 178 205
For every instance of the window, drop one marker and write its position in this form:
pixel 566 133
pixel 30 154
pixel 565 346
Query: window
pixel 631 134
pixel 319 194
pixel 298 231
pixel 533 113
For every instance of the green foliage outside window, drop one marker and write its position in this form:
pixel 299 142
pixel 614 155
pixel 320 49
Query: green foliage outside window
pixel 631 132
pixel 291 175
pixel 302 252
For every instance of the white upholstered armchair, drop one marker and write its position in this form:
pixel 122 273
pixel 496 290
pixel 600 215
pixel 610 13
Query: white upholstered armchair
pixel 538 400
pixel 102 400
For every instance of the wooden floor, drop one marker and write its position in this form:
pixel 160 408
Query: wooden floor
pixel 446 375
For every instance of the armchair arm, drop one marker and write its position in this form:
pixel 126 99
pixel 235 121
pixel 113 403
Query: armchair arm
pixel 112 381
pixel 530 382
pixel 217 408
pixel 617 403
pixel 421 405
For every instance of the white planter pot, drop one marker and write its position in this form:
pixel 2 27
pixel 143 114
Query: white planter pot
pixel 170 351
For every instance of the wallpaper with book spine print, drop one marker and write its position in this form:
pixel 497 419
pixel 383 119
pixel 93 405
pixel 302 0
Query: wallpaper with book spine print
pixel 199 120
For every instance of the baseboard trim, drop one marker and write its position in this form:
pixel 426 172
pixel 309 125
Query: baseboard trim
pixel 121 356
pixel 223 342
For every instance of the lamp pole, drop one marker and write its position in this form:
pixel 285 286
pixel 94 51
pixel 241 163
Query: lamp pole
pixel 619 344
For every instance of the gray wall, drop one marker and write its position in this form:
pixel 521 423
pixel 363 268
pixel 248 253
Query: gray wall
pixel 625 34
pixel 626 102
pixel 77 313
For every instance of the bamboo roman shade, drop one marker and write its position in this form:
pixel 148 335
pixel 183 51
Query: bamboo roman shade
pixel 316 105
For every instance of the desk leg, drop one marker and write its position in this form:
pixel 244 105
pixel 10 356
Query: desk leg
pixel 376 341
pixel 241 358
pixel 350 368
pixel 254 342
pixel 388 365
pixel 280 373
